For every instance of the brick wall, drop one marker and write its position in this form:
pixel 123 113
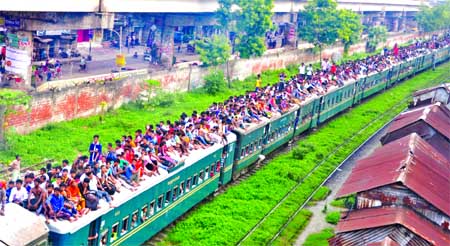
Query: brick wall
pixel 74 100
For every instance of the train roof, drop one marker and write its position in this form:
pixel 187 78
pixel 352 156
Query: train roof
pixel 20 226
pixel 64 226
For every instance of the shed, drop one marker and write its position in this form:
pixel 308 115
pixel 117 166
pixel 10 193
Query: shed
pixel 22 227
pixel 440 93
pixel 409 162
pixel 432 123
pixel 397 226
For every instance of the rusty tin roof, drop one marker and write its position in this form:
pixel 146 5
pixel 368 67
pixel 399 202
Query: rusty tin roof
pixel 436 115
pixel 410 161
pixel 380 217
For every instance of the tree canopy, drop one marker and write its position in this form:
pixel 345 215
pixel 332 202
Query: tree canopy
pixel 214 51
pixel 376 35
pixel 321 23
pixel 436 18
pixel 253 17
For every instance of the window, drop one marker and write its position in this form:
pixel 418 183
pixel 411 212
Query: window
pixel 134 219
pixel 124 226
pixel 181 188
pixel 144 214
pixel 152 208
pixel 207 173
pixel 194 181
pixel 160 203
pixel 242 153
pixel 175 193
pixel 114 232
pixel 168 200
pixel 201 177
pixel 104 237
pixel 188 184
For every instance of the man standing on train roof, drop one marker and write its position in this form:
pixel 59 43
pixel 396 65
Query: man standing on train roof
pixel 95 150
pixel 2 197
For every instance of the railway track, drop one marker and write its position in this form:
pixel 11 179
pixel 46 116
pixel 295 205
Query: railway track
pixel 444 78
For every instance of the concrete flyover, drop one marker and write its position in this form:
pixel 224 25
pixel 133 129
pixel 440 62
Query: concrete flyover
pixel 191 6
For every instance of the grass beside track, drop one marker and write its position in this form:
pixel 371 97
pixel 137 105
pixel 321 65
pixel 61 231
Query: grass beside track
pixel 228 218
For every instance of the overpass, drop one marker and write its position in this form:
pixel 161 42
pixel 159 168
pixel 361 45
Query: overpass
pixel 188 6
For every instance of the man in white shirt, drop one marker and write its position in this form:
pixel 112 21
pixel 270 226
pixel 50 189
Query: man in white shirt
pixel 18 193
pixel 302 70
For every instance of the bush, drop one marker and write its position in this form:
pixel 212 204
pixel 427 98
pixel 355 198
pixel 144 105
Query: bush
pixel 333 217
pixel 162 99
pixel 320 238
pixel 321 194
pixel 341 202
pixel 215 82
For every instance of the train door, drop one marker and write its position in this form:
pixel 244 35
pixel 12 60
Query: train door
pixel 93 238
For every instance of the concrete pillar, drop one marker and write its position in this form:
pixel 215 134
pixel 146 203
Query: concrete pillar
pixel 167 45
pixel 19 50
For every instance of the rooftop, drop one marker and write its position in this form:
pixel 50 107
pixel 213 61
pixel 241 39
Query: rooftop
pixel 381 217
pixel 410 161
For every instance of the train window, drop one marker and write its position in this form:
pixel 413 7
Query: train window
pixel 215 168
pixel 206 173
pixel 124 226
pixel 114 232
pixel 168 197
pixel 104 237
pixel 188 184
pixel 194 181
pixel 175 193
pixel 181 188
pixel 201 177
pixel 152 208
pixel 242 153
pixel 134 220
pixel 144 214
pixel 159 205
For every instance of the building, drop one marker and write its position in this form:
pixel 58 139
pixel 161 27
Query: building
pixel 44 29
pixel 402 197
pixel 430 122
pixel 440 93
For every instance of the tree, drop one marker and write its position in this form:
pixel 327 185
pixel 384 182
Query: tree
pixel 376 35
pixel 253 17
pixel 214 51
pixel 9 98
pixel 319 23
pixel 350 28
pixel 436 18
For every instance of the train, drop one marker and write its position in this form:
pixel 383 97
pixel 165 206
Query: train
pixel 160 200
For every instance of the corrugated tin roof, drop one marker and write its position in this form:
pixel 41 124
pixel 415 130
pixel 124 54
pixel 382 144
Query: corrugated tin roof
pixel 437 116
pixel 385 242
pixel 424 91
pixel 381 217
pixel 410 161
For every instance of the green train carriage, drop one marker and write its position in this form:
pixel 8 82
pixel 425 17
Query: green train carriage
pixel 162 198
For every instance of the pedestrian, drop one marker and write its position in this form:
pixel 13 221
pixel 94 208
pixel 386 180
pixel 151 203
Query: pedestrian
pixel 15 166
pixel 258 81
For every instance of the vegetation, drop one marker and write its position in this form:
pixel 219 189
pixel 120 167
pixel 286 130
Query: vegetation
pixel 320 238
pixel 321 193
pixel 298 223
pixel 322 24
pixel 214 51
pixel 9 97
pixel 436 18
pixel 344 202
pixel 376 35
pixel 242 206
pixel 215 82
pixel 254 20
pixel 333 217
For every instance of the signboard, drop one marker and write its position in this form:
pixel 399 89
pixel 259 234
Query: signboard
pixel 52 33
pixel 17 41
pixel 12 23
pixel 17 61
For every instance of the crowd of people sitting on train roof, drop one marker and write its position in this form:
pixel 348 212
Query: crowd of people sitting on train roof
pixel 70 191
